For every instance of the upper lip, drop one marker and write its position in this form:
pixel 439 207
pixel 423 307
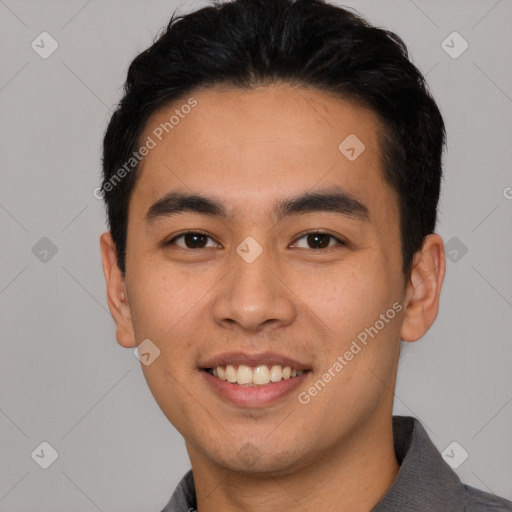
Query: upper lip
pixel 263 358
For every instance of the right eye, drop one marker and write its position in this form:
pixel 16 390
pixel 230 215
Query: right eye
pixel 191 240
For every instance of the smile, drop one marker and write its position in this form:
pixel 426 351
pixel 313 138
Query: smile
pixel 260 375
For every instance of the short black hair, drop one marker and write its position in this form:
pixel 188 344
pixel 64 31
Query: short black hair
pixel 305 43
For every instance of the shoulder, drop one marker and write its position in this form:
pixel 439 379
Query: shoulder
pixel 481 501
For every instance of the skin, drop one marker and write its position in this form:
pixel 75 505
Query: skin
pixel 250 148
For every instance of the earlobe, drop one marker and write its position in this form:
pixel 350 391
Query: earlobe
pixel 424 289
pixel 116 293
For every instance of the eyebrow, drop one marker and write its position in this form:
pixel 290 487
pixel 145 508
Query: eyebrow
pixel 332 199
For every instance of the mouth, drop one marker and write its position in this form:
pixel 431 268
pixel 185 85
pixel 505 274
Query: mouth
pixel 254 376
pixel 253 381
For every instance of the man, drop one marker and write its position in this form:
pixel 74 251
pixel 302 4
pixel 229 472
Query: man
pixel 271 178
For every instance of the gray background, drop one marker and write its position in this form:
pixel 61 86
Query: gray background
pixel 63 377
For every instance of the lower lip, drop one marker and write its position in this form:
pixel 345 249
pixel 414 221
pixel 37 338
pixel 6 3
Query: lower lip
pixel 253 396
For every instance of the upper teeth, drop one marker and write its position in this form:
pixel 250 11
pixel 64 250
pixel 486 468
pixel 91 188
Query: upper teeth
pixel 258 375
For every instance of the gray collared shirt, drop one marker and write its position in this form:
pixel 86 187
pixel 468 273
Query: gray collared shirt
pixel 425 482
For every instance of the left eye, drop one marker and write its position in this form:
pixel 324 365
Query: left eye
pixel 319 240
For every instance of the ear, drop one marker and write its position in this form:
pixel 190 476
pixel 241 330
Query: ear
pixel 116 293
pixel 424 289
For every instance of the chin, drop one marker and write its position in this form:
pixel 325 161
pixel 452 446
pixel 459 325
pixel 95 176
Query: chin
pixel 258 458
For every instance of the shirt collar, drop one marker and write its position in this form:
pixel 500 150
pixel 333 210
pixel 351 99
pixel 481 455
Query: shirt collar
pixel 425 482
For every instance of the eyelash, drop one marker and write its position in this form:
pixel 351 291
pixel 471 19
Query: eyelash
pixel 340 242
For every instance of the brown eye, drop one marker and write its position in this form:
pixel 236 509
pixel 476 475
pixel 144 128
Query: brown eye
pixel 191 240
pixel 319 240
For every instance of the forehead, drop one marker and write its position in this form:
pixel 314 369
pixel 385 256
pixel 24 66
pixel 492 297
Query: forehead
pixel 254 145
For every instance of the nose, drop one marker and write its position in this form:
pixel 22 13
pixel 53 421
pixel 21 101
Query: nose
pixel 254 297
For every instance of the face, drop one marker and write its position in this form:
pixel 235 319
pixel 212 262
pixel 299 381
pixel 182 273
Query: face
pixel 291 257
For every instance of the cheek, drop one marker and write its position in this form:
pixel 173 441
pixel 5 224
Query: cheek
pixel 165 309
pixel 162 299
pixel 347 299
pixel 350 302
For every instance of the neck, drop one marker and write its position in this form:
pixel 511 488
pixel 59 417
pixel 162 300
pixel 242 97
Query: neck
pixel 352 477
